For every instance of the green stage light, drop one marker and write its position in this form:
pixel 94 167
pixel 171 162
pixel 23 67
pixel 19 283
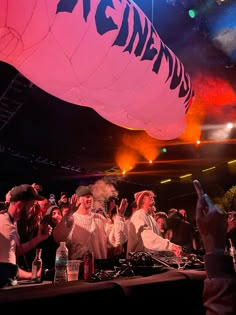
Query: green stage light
pixel 192 13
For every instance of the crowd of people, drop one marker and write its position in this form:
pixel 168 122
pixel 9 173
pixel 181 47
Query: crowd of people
pixel 31 221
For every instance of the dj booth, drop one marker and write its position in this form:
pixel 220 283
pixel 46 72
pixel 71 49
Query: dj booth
pixel 165 290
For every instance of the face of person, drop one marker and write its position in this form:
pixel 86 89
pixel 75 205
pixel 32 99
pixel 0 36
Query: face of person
pixel 161 224
pixel 87 201
pixel 231 216
pixel 149 202
pixel 44 205
pixel 23 208
pixel 37 213
pixel 56 216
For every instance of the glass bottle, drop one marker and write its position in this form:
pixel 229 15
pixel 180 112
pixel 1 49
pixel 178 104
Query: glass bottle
pixel 36 274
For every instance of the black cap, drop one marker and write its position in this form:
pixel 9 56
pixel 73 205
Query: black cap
pixel 24 192
pixel 83 191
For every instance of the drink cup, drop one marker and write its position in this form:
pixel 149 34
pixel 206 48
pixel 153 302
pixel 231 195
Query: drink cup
pixel 73 269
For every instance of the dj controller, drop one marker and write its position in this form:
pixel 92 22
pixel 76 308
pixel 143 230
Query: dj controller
pixel 145 264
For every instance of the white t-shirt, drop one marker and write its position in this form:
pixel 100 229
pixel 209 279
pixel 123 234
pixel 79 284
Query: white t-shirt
pixel 9 239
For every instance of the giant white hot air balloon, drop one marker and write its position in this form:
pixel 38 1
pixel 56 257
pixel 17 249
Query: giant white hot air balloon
pixel 103 54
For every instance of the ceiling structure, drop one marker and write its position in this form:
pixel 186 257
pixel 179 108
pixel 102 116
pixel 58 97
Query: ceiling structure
pixel 45 138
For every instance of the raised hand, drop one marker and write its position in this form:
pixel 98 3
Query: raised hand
pixel 63 199
pixel 122 207
pixel 45 230
pixel 212 224
pixel 73 204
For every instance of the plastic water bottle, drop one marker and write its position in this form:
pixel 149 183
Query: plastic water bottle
pixel 61 262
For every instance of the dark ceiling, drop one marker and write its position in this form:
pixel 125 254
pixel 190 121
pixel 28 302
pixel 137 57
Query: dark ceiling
pixel 45 138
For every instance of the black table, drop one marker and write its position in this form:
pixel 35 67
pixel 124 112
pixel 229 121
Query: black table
pixel 174 290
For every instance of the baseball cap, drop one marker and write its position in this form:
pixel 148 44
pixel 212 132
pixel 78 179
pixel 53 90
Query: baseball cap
pixel 83 191
pixel 24 192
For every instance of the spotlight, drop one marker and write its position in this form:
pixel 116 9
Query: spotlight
pixel 229 125
pixel 192 13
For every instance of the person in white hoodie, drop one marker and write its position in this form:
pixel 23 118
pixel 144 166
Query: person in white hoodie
pixel 88 230
pixel 144 234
